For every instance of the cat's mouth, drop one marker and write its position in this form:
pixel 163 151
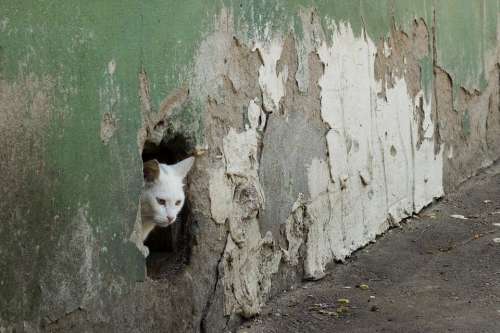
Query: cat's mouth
pixel 163 223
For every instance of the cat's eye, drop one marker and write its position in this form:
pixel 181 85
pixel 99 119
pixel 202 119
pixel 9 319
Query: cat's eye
pixel 161 201
pixel 178 202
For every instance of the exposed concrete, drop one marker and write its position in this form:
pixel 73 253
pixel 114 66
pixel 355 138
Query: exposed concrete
pixel 401 56
pixel 469 129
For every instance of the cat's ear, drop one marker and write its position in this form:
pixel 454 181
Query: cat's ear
pixel 182 168
pixel 151 170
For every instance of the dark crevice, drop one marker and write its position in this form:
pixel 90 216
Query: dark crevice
pixel 437 133
pixel 211 298
pixel 169 247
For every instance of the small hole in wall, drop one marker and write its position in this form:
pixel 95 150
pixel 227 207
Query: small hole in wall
pixel 169 247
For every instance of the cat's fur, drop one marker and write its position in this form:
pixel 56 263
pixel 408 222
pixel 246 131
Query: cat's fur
pixel 163 195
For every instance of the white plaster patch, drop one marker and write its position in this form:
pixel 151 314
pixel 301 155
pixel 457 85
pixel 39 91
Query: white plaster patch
pixel 248 272
pixel 318 177
pixel 249 259
pixel 395 135
pixel 111 67
pixel 450 152
pixel 271 82
pixel 325 234
pixel 338 156
pixel 256 117
pixel 347 77
pixel 387 49
pixel 240 152
pixel 294 231
pixel 221 195
pixel 379 175
pixel 3 24
pixel 428 166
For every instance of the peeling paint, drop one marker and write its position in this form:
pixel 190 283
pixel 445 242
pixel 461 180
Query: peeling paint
pixel 326 234
pixel 256 117
pixel 271 81
pixel 373 154
pixel 108 126
pixel 249 259
pixel 240 152
pixel 248 272
pixel 318 176
pixel 295 231
pixel 111 67
pixel 221 195
pixel 311 40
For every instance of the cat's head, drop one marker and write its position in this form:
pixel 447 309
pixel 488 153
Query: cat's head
pixel 163 194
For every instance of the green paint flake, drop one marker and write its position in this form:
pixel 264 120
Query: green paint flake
pixel 427 75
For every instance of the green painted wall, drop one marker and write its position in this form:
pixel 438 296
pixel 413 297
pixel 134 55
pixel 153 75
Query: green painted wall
pixel 71 43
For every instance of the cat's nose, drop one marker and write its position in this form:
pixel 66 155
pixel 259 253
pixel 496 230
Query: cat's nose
pixel 170 219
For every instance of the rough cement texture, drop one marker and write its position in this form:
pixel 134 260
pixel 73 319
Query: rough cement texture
pixel 469 128
pixel 401 55
pixel 433 274
pixel 293 137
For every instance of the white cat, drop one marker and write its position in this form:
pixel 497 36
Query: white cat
pixel 163 195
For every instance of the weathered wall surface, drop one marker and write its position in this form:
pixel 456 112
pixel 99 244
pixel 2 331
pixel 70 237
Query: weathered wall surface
pixel 316 125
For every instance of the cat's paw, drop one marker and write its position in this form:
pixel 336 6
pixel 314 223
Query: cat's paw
pixel 144 250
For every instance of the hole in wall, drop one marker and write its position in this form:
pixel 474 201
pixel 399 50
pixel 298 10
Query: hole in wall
pixel 170 247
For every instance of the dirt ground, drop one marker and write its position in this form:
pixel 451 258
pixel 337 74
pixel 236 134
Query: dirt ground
pixel 436 273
